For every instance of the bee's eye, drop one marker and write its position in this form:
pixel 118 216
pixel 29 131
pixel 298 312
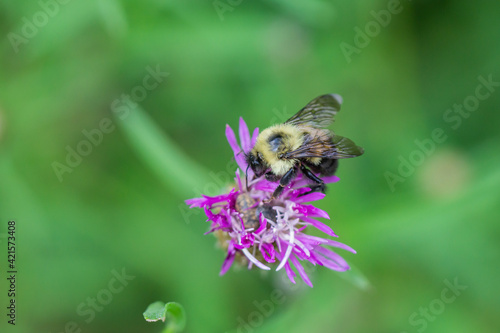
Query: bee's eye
pixel 275 142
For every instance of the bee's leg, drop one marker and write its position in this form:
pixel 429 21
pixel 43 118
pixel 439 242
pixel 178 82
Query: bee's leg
pixel 320 184
pixel 285 180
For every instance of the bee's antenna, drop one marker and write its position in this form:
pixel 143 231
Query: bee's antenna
pixel 246 176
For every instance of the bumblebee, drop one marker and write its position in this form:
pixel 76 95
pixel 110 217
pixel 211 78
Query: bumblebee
pixel 302 143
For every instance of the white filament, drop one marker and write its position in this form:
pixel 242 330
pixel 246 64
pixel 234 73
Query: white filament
pixel 288 250
pixel 255 261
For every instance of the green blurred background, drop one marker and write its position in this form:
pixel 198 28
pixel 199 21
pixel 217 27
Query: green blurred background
pixel 122 206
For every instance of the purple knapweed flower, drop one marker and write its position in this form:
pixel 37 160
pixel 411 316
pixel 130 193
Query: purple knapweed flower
pixel 262 233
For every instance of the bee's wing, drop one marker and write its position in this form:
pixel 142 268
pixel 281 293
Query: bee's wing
pixel 345 148
pixel 319 146
pixel 319 113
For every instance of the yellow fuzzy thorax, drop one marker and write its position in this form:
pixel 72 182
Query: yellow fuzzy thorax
pixel 293 138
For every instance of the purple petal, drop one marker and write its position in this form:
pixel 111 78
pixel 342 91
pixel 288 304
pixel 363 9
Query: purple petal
pixel 319 225
pixel 238 180
pixel 226 229
pixel 238 153
pixel 290 273
pixel 242 223
pixel 299 183
pixel 295 193
pixel 301 271
pixel 249 173
pixel 302 181
pixel 227 264
pixel 340 245
pixel 310 210
pixel 225 218
pixel 247 240
pixel 231 138
pixel 330 179
pixel 220 198
pixel 266 186
pixel 310 197
pixel 313 240
pixel 211 216
pixel 229 260
pixel 300 251
pixel 254 137
pixel 210 201
pixel 268 252
pixel 195 202
pixel 262 224
pixel 244 136
pixel 331 259
pixel 242 163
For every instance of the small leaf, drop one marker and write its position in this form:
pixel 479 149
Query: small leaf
pixel 174 311
pixel 176 315
pixel 155 311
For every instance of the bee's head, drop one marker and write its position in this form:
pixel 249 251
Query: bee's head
pixel 256 162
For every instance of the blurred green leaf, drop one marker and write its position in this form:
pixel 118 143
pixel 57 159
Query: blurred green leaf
pixel 174 311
